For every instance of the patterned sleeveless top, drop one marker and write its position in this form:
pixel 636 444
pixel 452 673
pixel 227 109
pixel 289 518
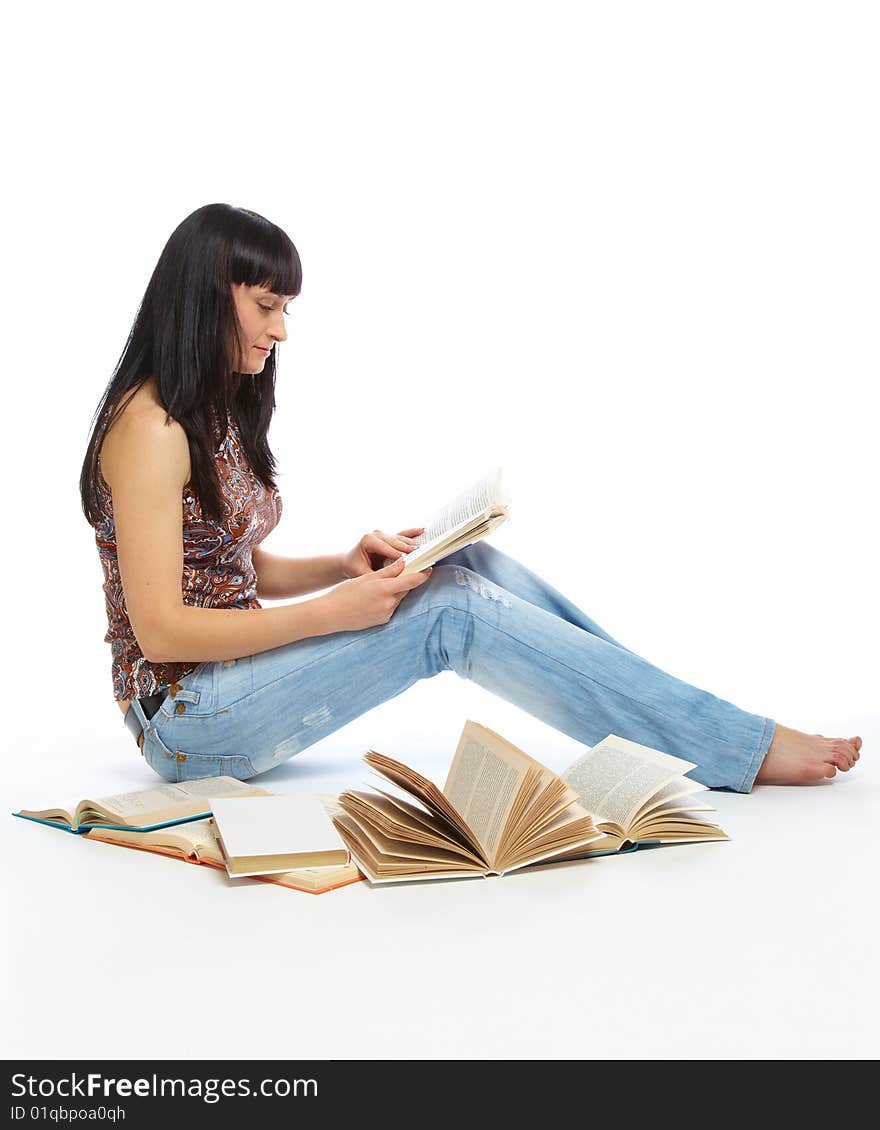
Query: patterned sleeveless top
pixel 217 568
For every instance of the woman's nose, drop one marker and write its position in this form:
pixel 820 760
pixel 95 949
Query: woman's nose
pixel 279 331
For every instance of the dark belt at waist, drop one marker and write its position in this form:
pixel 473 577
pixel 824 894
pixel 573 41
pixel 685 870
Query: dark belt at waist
pixel 150 704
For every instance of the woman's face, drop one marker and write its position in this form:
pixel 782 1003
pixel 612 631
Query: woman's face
pixel 261 317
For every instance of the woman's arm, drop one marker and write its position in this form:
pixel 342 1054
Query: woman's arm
pixel 146 464
pixel 282 578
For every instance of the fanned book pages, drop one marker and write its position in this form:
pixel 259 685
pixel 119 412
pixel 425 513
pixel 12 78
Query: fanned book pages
pixel 639 796
pixel 469 517
pixel 498 811
pixel 197 842
pixel 145 809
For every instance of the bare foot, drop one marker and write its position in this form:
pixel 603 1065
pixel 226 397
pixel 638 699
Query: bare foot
pixel 795 758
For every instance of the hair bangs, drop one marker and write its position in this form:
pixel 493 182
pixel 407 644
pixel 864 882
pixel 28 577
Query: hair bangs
pixel 264 255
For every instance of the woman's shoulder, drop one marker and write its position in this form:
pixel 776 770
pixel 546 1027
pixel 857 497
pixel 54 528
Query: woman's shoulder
pixel 142 432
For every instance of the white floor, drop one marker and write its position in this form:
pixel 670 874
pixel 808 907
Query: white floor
pixel 764 946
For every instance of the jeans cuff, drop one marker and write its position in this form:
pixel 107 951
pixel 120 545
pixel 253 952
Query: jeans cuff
pixel 758 756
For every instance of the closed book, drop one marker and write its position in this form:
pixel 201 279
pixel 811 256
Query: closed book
pixel 276 833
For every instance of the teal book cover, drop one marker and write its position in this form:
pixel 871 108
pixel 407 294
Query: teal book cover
pixel 614 851
pixel 80 829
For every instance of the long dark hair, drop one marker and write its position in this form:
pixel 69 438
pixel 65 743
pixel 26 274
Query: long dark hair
pixel 185 335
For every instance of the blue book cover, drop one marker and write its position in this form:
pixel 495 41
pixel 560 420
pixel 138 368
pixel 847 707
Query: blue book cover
pixel 623 850
pixel 82 828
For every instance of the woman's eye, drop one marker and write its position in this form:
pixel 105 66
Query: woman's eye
pixel 265 307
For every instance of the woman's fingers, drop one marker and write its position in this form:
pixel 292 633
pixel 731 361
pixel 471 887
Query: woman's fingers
pixel 377 542
pixel 392 542
pixel 402 585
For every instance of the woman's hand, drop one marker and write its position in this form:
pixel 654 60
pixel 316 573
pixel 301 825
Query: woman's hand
pixel 371 599
pixel 369 553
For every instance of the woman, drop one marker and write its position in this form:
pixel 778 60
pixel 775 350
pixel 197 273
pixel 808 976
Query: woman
pixel 210 683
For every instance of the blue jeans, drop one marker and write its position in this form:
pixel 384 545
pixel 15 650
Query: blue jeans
pixel 488 618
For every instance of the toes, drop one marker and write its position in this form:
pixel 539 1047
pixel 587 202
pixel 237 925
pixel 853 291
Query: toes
pixel 857 742
pixel 844 749
pixel 841 759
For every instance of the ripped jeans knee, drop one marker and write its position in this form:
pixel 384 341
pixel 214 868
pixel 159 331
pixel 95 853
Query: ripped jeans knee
pixel 479 585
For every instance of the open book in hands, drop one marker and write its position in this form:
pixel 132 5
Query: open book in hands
pixel 498 811
pixel 469 517
pixel 639 796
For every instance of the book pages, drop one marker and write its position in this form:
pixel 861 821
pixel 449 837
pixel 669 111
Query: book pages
pixel 425 791
pixel 376 854
pixel 196 838
pixel 484 782
pixel 197 842
pixel 675 790
pixel 389 817
pixel 470 516
pixel 465 535
pixel 491 490
pixel 154 805
pixel 617 777
pixel 572 830
pixel 168 795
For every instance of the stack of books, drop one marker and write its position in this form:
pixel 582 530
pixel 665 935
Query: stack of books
pixel 499 810
pixel 179 820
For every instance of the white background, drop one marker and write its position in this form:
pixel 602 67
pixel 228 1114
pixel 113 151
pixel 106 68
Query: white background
pixel 629 251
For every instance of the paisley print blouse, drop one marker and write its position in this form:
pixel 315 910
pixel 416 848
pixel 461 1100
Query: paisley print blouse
pixel 218 570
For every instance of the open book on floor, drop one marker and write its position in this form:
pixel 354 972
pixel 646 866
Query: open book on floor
pixel 197 842
pixel 639 797
pixel 145 809
pixel 469 517
pixel 498 811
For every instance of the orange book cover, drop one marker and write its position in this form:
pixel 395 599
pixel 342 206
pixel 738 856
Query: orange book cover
pixel 174 854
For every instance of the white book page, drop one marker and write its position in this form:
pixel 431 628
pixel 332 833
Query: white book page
pixel 167 796
pixel 331 805
pixel 617 777
pixel 197 833
pixel 491 490
pixel 680 787
pixel 191 835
